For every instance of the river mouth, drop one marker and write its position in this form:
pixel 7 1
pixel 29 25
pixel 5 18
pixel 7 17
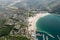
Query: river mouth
pixel 49 24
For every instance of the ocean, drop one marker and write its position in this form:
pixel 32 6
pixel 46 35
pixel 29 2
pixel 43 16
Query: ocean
pixel 49 24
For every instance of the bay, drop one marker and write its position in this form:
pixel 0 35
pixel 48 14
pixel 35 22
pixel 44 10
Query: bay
pixel 49 24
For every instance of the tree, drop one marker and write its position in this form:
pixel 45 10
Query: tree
pixel 17 37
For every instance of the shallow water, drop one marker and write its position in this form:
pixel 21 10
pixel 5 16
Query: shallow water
pixel 49 24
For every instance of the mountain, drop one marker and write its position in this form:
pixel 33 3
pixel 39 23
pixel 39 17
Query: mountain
pixel 54 6
pixel 44 5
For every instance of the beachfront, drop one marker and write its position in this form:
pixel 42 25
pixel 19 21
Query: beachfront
pixel 33 20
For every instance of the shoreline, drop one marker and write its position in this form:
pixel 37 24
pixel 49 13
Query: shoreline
pixel 32 21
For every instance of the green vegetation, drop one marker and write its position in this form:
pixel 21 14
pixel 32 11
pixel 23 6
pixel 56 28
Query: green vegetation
pixel 5 30
pixel 14 37
pixel 17 37
pixel 2 21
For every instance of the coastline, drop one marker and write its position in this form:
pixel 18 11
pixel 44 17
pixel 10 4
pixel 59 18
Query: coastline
pixel 32 23
pixel 32 20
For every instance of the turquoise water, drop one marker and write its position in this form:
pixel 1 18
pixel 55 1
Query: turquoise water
pixel 49 24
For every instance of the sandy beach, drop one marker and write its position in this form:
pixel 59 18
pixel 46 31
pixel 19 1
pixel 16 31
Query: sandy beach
pixel 32 24
pixel 33 20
